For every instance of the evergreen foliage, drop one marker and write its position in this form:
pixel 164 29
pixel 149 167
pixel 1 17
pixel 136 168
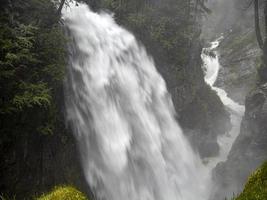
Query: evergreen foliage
pixel 32 65
pixel 167 28
pixel 32 61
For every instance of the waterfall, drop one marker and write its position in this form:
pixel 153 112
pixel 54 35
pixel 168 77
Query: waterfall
pixel 211 68
pixel 123 117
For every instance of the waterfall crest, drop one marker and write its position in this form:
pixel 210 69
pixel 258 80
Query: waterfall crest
pixel 123 118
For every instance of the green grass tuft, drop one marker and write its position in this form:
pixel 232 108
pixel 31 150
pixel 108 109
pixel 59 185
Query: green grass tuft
pixel 63 193
pixel 256 187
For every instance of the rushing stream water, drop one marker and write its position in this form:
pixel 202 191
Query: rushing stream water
pixel 123 117
pixel 211 68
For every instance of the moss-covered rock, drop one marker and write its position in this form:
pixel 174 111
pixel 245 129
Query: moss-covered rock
pixel 256 187
pixel 64 193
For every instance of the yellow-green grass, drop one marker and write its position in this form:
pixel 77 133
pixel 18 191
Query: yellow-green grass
pixel 64 193
pixel 256 187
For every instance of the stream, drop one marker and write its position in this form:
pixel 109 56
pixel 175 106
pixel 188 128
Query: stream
pixel 211 67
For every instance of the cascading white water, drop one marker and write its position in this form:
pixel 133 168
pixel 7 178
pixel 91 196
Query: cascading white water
pixel 211 68
pixel 123 117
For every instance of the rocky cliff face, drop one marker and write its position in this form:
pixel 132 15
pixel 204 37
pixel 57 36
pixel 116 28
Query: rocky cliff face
pixel 248 151
pixel 200 111
pixel 239 58
pixel 239 52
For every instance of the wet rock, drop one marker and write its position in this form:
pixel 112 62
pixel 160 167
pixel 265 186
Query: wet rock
pixel 249 149
pixel 239 57
pixel 200 111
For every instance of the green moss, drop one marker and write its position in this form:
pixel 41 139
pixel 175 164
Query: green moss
pixel 58 193
pixel 256 187
pixel 64 193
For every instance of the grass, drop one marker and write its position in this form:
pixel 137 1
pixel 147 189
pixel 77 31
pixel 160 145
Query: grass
pixel 63 193
pixel 256 187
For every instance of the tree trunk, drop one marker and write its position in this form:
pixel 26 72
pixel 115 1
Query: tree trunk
pixel 60 7
pixel 265 18
pixel 257 23
pixel 265 38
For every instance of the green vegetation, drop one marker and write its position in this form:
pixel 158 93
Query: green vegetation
pixel 63 193
pixel 58 193
pixel 166 29
pixel 32 67
pixel 32 62
pixel 256 187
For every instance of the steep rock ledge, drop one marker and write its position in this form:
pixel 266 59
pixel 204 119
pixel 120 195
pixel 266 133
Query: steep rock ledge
pixel 239 58
pixel 248 151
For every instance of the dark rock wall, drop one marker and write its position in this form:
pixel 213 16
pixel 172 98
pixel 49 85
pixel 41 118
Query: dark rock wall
pixel 238 53
pixel 249 150
pixel 240 58
pixel 200 111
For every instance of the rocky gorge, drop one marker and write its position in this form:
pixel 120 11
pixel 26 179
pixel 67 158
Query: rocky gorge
pixel 37 145
pixel 240 58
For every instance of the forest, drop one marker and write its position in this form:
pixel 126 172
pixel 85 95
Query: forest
pixel 133 99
